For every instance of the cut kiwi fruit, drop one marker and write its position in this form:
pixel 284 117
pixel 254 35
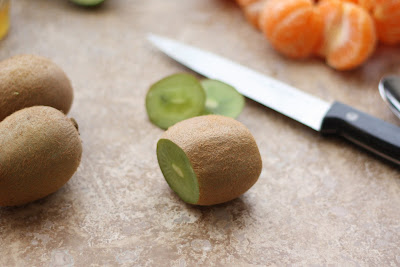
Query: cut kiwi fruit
pixel 222 99
pixel 177 170
pixel 87 2
pixel 175 98
pixel 209 159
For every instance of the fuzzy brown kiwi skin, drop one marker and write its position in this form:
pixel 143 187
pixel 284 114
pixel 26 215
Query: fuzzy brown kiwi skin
pixel 29 80
pixel 40 151
pixel 223 154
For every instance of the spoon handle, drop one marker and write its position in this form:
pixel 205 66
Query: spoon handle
pixel 373 134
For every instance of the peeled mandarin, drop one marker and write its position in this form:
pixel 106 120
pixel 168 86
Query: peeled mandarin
pixel 386 14
pixel 349 34
pixel 293 27
pixel 367 4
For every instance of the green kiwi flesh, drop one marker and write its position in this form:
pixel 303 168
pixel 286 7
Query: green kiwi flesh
pixel 177 171
pixel 87 2
pixel 222 99
pixel 40 151
pixel 175 98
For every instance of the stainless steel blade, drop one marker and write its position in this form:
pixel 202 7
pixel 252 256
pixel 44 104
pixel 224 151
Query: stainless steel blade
pixel 272 93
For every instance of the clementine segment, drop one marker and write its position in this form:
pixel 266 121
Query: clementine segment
pixel 351 1
pixel 331 13
pixel 349 34
pixel 386 14
pixel 367 4
pixel 293 27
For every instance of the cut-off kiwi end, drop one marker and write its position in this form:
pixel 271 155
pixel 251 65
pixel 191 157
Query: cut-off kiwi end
pixel 175 98
pixel 178 171
pixel 222 99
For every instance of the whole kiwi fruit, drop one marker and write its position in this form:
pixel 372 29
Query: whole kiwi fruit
pixel 40 151
pixel 30 80
pixel 209 159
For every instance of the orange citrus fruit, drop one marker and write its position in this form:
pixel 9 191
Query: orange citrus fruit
pixel 386 14
pixel 349 36
pixel 294 27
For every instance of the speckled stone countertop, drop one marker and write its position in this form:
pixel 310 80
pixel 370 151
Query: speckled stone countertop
pixel 319 201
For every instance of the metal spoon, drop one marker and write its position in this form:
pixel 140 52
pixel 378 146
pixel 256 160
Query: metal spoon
pixel 389 88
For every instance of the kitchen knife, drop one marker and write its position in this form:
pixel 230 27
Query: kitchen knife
pixel 336 118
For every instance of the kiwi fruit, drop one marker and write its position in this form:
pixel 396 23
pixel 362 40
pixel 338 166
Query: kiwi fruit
pixel 209 159
pixel 40 151
pixel 175 98
pixel 29 80
pixel 222 99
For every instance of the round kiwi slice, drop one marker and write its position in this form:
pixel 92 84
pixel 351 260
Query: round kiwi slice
pixel 209 159
pixel 175 98
pixel 222 98
pixel 87 2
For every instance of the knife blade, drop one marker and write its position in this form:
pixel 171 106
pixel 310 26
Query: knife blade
pixel 373 134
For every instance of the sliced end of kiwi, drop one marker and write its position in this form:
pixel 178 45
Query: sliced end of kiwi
pixel 222 99
pixel 175 98
pixel 178 171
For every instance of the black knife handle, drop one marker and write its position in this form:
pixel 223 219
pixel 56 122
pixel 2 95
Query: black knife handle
pixel 373 134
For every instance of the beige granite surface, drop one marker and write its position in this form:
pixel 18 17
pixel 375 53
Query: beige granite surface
pixel 319 201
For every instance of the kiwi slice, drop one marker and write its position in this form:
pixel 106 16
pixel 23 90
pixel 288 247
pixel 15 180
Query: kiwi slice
pixel 222 99
pixel 175 98
pixel 177 171
pixel 87 2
